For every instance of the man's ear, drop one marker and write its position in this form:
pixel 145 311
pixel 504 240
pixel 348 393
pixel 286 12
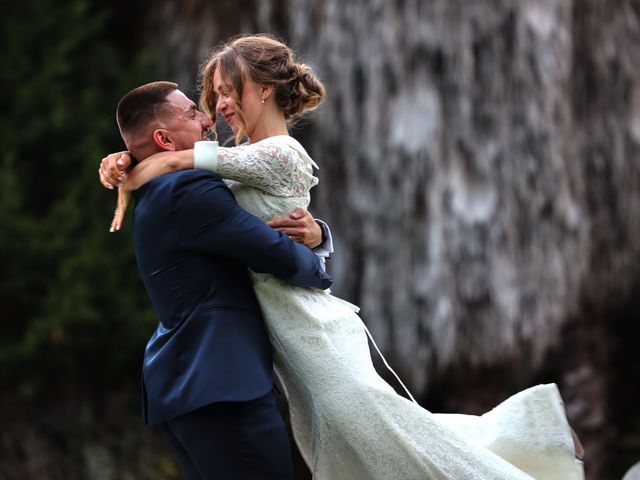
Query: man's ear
pixel 162 139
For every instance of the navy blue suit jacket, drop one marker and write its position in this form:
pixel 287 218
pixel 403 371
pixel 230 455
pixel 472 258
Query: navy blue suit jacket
pixel 193 245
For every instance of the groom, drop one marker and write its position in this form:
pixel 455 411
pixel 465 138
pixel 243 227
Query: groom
pixel 207 373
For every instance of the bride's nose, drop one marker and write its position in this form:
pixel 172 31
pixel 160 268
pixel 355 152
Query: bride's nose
pixel 221 104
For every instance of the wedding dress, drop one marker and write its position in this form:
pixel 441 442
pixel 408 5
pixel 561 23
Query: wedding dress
pixel 348 423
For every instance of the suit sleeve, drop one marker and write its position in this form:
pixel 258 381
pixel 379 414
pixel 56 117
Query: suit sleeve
pixel 210 221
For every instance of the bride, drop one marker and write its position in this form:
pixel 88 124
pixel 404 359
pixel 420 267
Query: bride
pixel 347 421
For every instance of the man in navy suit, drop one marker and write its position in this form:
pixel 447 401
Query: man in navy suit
pixel 207 374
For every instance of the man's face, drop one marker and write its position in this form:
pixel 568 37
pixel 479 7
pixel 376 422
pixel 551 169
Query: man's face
pixel 185 124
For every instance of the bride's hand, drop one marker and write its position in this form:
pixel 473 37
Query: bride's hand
pixel 145 171
pixel 124 197
pixel 113 169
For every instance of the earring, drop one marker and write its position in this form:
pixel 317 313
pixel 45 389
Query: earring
pixel 263 100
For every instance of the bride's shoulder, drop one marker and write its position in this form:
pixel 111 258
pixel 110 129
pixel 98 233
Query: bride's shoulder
pixel 282 141
pixel 288 146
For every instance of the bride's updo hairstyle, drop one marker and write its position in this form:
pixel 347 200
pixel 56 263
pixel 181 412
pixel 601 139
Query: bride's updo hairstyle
pixel 267 61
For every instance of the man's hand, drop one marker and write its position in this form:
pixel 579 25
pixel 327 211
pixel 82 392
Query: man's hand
pixel 113 169
pixel 300 226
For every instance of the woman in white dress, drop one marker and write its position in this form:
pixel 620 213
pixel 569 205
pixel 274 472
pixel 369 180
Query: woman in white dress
pixel 347 421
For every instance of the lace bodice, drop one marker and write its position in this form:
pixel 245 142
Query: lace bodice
pixel 269 178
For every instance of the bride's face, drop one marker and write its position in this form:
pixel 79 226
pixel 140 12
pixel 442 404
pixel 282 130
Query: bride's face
pixel 246 117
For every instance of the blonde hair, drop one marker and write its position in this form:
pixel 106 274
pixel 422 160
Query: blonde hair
pixel 265 60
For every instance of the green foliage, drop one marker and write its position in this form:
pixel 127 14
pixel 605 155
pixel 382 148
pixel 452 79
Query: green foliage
pixel 73 311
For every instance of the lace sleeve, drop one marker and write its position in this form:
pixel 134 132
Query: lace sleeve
pixel 275 168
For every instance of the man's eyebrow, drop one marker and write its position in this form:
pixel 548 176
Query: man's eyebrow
pixel 190 109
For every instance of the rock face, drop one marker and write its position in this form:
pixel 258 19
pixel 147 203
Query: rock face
pixel 456 172
pixel 479 171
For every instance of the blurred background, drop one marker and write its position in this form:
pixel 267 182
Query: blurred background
pixel 478 166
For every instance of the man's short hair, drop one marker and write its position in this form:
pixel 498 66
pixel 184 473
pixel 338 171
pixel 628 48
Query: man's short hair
pixel 142 105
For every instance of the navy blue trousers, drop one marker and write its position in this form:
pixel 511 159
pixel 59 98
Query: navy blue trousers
pixel 232 441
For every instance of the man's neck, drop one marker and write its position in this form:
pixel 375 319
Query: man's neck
pixel 142 152
pixel 141 148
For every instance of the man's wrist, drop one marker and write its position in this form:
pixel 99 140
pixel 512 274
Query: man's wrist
pixel 324 232
pixel 326 247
